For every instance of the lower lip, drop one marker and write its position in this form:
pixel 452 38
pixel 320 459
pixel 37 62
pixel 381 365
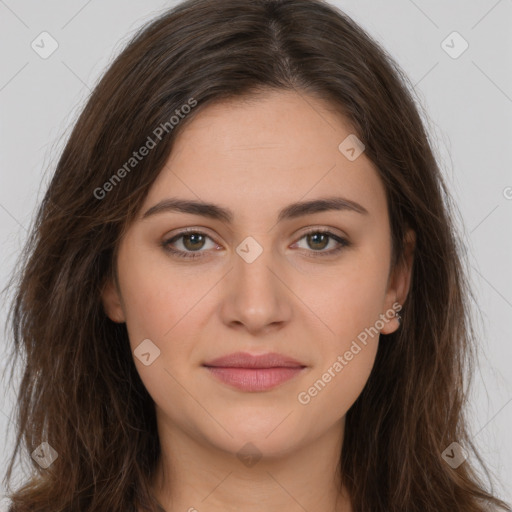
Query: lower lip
pixel 254 379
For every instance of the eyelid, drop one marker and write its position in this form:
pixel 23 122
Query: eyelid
pixel 200 231
pixel 302 232
pixel 322 227
pixel 340 239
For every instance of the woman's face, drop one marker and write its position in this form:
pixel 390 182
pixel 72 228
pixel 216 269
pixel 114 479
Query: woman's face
pixel 254 281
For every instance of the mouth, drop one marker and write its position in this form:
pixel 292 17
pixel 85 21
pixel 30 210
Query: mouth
pixel 254 373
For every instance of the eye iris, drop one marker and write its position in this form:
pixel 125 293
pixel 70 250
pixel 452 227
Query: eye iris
pixel 314 237
pixel 195 237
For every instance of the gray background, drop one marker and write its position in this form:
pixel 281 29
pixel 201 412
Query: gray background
pixel 469 105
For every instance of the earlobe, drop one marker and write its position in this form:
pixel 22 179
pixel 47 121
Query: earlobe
pixel 393 324
pixel 112 303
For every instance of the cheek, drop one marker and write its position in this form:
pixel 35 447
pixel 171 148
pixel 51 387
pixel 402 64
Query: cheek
pixel 345 364
pixel 351 298
pixel 156 299
pixel 168 308
pixel 350 304
pixel 329 395
pixel 149 314
pixel 160 308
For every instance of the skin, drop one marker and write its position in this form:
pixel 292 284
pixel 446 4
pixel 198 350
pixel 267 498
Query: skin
pixel 256 157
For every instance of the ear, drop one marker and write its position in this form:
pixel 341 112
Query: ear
pixel 111 298
pixel 399 281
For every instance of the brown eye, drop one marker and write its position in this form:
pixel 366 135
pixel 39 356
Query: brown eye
pixel 190 241
pixel 193 241
pixel 318 240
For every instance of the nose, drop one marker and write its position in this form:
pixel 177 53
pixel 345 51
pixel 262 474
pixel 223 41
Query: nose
pixel 256 296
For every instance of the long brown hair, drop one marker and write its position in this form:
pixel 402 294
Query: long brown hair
pixel 80 391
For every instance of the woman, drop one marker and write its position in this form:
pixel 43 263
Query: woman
pixel 244 290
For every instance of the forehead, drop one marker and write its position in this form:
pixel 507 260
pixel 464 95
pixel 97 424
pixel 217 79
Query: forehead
pixel 265 152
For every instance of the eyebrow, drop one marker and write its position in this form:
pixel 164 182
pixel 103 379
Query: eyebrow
pixel 291 211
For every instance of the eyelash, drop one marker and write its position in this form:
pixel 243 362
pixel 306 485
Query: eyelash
pixel 166 244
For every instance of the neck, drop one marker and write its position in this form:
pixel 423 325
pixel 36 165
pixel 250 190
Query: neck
pixel 194 476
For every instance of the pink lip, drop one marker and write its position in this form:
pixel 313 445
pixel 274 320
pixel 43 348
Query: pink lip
pixel 254 373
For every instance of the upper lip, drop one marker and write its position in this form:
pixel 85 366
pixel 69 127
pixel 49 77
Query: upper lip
pixel 246 360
